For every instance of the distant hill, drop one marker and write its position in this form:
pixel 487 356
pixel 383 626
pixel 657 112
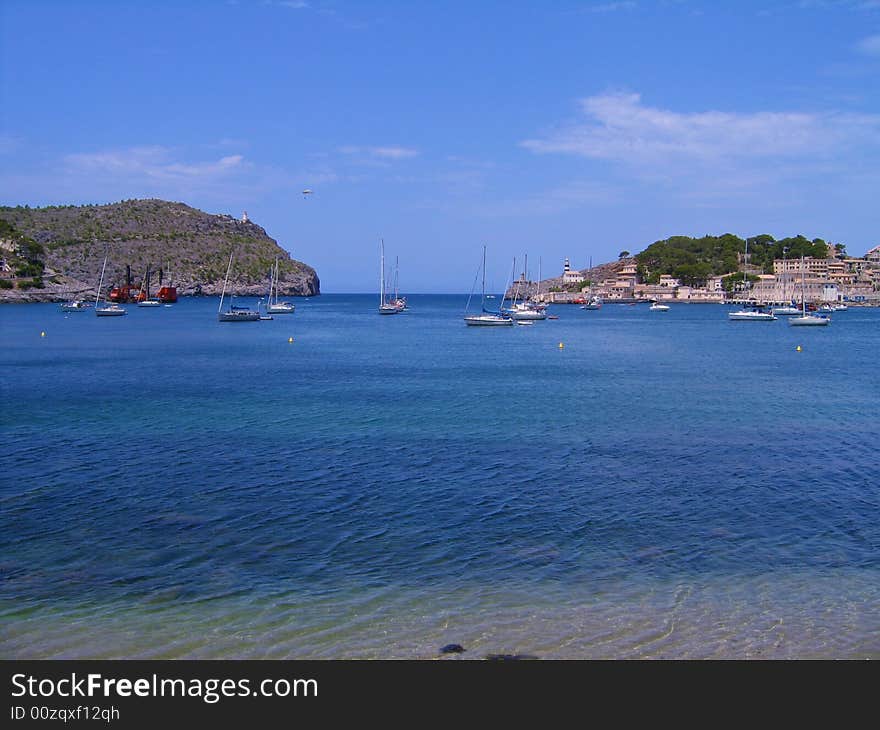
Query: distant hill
pixel 68 243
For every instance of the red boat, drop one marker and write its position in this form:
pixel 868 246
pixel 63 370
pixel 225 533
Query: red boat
pixel 166 294
pixel 126 293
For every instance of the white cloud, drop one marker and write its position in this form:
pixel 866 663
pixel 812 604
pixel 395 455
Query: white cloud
pixel 295 4
pixel 620 128
pixel 869 46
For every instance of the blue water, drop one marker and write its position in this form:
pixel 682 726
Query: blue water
pixel 661 485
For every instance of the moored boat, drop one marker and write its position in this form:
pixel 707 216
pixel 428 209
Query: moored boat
pixel 234 313
pixel 75 305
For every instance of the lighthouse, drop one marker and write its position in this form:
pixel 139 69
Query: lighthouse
pixel 244 218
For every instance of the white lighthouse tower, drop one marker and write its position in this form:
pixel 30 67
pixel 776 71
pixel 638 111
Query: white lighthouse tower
pixel 244 218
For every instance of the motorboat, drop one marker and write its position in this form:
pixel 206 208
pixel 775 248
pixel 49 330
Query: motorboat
pixel 751 315
pixel 75 305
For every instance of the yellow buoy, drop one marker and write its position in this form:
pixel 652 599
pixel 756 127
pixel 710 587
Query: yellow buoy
pixel 561 345
pixel 42 334
pixel 798 348
pixel 290 339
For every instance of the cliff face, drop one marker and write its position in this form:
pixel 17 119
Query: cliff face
pixel 191 247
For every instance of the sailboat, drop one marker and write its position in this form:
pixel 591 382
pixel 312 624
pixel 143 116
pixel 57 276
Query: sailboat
pixel 485 318
pixel 234 314
pixel 108 310
pixel 525 310
pixel 398 300
pixel 658 307
pixel 385 306
pixel 143 298
pixel 807 320
pixel 788 310
pixel 755 313
pixel 273 306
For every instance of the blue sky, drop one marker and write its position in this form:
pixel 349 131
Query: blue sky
pixel 551 129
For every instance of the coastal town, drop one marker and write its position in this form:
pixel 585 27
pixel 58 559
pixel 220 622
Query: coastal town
pixel 836 278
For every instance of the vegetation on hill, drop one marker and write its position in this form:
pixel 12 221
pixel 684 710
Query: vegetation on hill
pixel 190 246
pixel 23 256
pixel 693 260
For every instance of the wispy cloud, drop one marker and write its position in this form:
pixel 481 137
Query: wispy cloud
pixel 611 7
pixel 151 163
pixel 570 195
pixel 393 152
pixel 869 46
pixel 8 143
pixel 295 4
pixel 864 5
pixel 620 128
pixel 376 156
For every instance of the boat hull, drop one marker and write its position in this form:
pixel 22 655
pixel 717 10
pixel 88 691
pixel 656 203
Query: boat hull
pixel 809 321
pixel 109 311
pixel 529 315
pixel 750 317
pixel 245 316
pixel 487 321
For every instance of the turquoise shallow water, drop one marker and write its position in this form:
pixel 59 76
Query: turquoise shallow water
pixel 665 485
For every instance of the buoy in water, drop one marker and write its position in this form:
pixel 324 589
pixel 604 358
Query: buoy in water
pixel 42 334
pixel 561 345
pixel 290 339
pixel 798 348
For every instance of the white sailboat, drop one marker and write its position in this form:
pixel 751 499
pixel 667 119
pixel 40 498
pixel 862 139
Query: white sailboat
pixel 398 300
pixel 144 299
pixel 525 310
pixel 755 313
pixel 273 306
pixel 108 310
pixel 234 314
pixel 788 310
pixel 657 307
pixel 385 306
pixel 485 318
pixel 807 320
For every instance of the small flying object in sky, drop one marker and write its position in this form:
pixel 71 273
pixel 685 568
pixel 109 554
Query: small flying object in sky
pixel 307 191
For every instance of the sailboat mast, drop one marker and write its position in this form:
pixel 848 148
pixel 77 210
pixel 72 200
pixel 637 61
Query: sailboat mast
pixel 381 271
pixel 538 290
pixel 225 282
pixel 101 282
pixel 483 297
pixel 803 289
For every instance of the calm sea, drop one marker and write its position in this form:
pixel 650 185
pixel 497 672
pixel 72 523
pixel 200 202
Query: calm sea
pixel 669 485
